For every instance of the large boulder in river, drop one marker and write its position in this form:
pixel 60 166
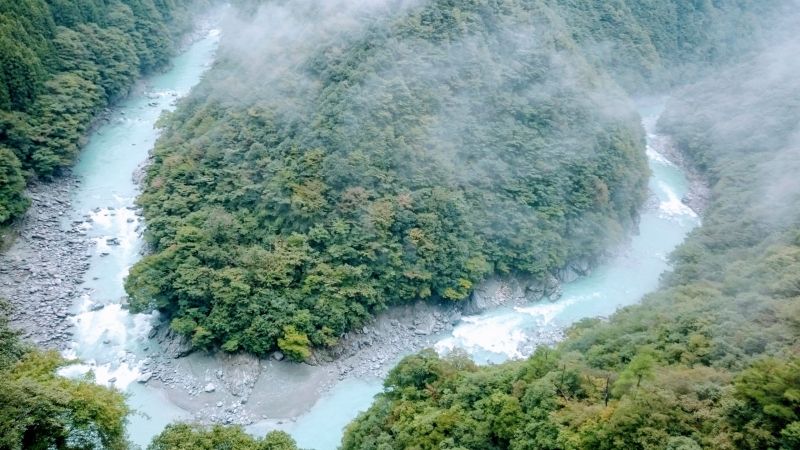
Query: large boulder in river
pixel 491 293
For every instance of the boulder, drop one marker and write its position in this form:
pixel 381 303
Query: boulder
pixel 173 345
pixel 145 377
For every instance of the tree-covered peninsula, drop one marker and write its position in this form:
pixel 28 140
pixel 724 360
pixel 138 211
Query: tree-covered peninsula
pixel 407 156
pixel 318 176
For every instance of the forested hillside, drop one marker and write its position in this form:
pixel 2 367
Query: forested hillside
pixel 61 63
pixel 317 177
pixel 404 160
pixel 342 157
pixel 712 360
pixel 650 45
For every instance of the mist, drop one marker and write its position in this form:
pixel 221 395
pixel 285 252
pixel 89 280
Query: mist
pixel 267 49
pixel 321 190
pixel 509 82
pixel 750 111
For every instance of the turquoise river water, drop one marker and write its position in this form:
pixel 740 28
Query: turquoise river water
pixel 112 342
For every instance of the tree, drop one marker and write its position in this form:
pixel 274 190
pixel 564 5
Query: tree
pixel 61 62
pixel 640 368
pixel 195 437
pixel 295 344
pixel 42 410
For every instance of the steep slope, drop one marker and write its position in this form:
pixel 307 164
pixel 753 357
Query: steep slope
pixel 709 361
pixel 61 63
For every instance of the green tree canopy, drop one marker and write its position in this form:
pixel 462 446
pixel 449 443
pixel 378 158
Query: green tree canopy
pixel 195 437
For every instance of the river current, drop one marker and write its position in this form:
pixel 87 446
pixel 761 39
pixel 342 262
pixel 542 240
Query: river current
pixel 113 343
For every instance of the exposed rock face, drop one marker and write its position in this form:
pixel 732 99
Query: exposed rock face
pixel 574 270
pixel 395 332
pixel 520 290
pixel 173 345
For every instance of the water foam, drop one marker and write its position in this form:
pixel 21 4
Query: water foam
pixel 500 334
pixel 545 313
pixel 657 157
pixel 673 207
pixel 120 376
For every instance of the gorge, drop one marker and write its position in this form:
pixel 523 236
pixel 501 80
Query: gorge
pixel 331 199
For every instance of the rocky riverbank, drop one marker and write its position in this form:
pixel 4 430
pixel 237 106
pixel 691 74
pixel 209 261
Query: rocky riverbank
pixel 49 262
pixel 50 259
pixel 46 256
pixel 42 272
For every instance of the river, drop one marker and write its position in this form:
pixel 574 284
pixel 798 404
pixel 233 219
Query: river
pixel 110 341
pixel 114 344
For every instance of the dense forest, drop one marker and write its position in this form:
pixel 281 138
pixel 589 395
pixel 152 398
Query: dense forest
pixel 711 360
pixel 373 159
pixel 303 187
pixel 61 63
pixel 433 149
